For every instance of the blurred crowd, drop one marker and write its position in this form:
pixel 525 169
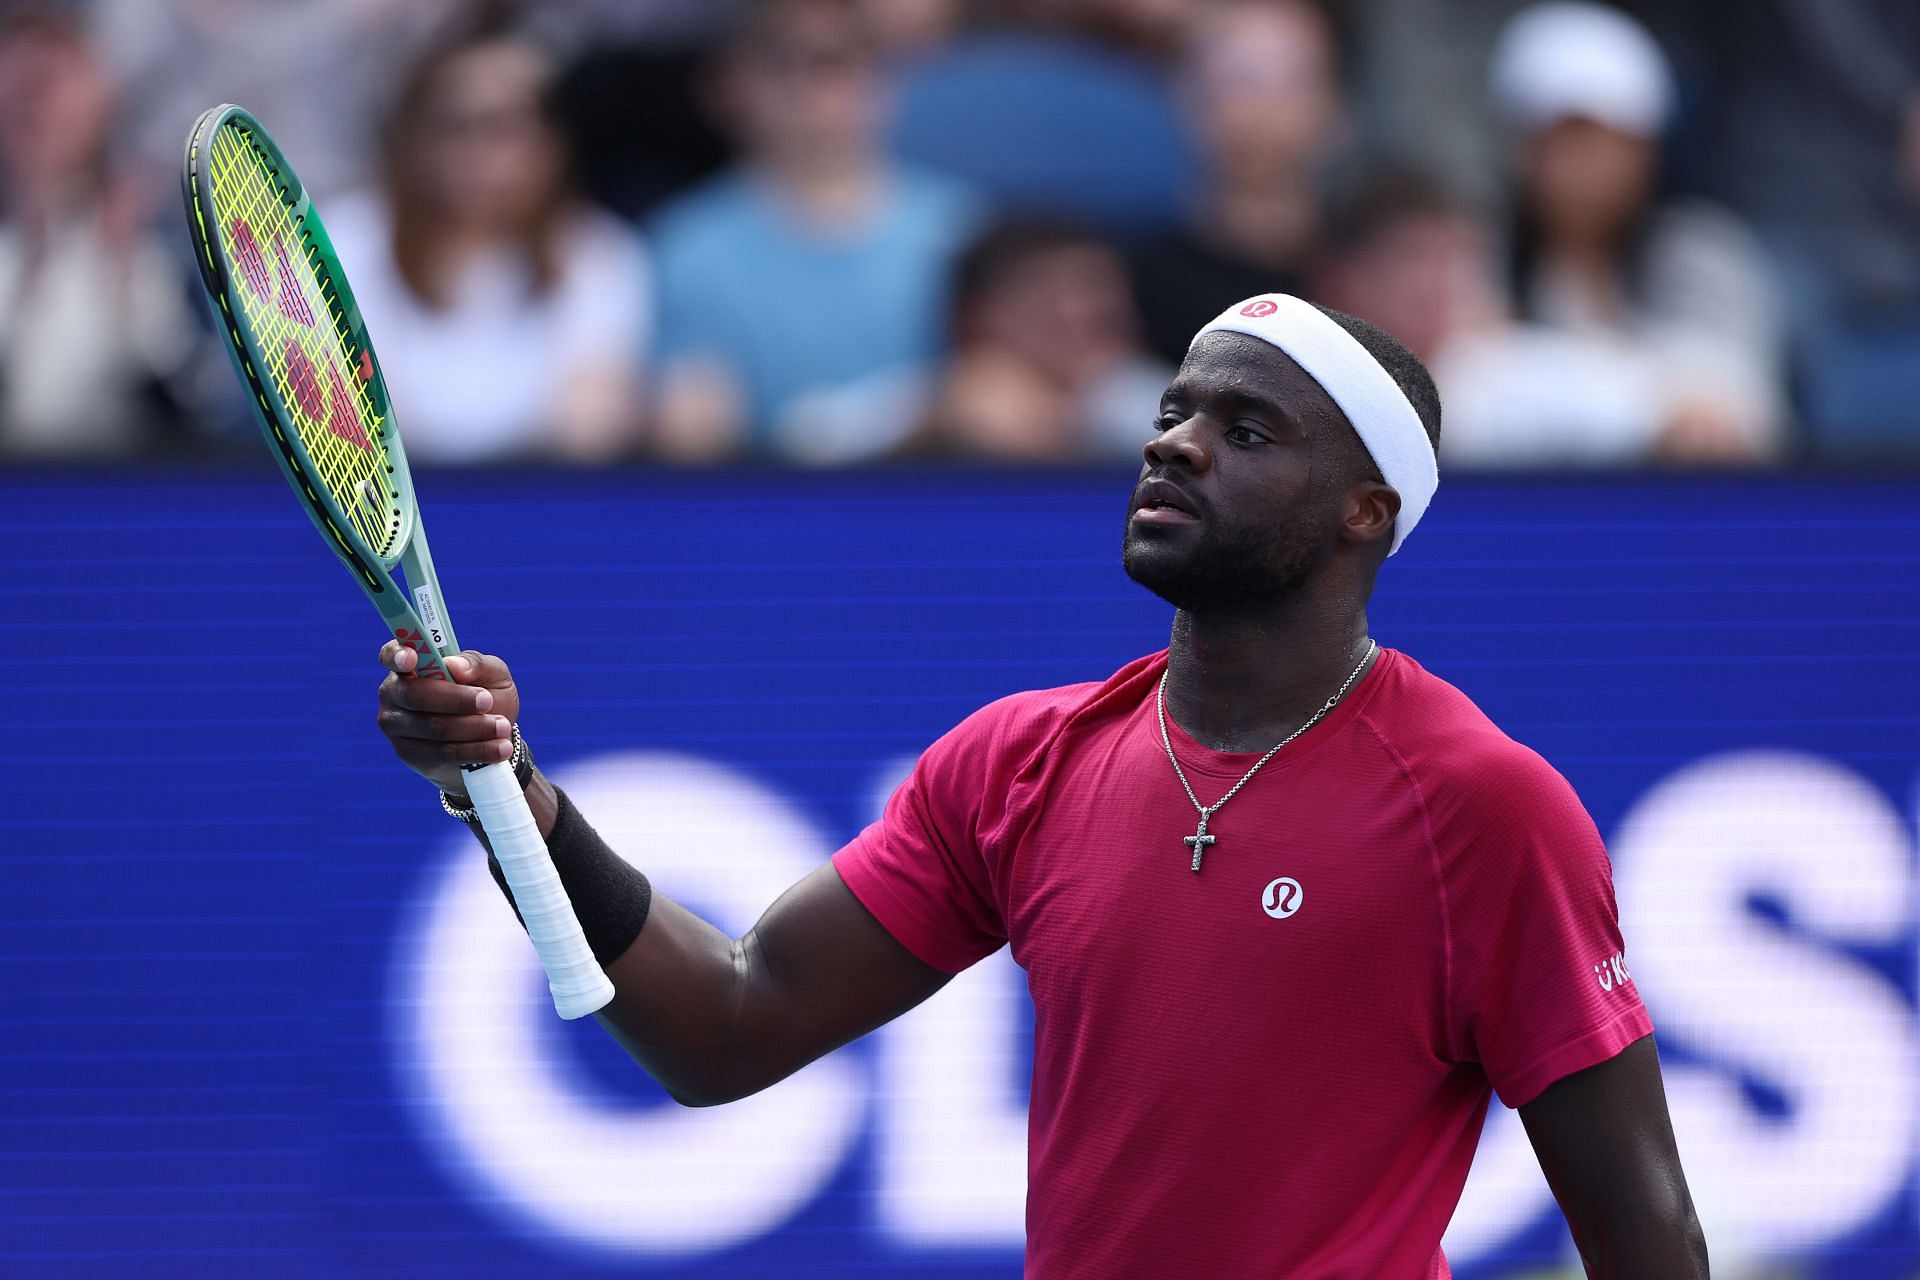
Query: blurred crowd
pixel 822 232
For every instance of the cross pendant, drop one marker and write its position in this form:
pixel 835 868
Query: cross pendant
pixel 1198 842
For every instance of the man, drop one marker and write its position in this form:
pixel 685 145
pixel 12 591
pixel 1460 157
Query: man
pixel 813 264
pixel 1267 1028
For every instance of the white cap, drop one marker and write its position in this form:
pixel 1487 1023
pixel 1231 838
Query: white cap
pixel 1567 58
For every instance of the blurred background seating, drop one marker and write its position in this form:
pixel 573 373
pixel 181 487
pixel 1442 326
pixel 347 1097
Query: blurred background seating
pixel 1624 236
pixel 1811 112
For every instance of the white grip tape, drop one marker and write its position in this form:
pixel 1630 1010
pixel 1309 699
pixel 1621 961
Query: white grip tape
pixel 579 985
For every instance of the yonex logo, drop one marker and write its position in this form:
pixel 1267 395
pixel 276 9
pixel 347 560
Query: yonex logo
pixel 253 263
pixel 1282 897
pixel 1257 308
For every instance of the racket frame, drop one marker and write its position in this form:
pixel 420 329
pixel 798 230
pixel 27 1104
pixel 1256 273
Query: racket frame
pixel 417 619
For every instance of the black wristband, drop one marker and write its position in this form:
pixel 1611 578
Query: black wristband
pixel 610 896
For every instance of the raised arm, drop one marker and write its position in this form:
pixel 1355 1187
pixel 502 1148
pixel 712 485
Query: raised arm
pixel 1606 1145
pixel 712 1018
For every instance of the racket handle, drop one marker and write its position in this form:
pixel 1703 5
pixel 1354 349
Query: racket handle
pixel 579 985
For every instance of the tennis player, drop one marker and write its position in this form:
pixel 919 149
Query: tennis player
pixel 1291 908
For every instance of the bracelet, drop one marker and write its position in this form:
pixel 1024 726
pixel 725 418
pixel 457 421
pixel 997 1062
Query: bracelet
pixel 522 762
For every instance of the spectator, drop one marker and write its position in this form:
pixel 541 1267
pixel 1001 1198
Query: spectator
pixel 1262 89
pixel 1816 133
pixel 1402 252
pixel 1648 330
pixel 510 315
pixel 813 264
pixel 94 317
pixel 1046 365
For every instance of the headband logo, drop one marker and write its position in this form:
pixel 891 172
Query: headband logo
pixel 1259 307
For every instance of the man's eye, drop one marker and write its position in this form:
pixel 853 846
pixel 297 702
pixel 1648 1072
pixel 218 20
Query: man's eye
pixel 1245 434
pixel 1165 421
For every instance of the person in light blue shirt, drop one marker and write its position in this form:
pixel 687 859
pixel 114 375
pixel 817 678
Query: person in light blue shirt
pixel 813 265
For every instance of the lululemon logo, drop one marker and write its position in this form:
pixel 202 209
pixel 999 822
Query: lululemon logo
pixel 1282 897
pixel 1257 308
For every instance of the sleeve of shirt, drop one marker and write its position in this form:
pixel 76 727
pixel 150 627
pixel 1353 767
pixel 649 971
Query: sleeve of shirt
pixel 921 870
pixel 1539 981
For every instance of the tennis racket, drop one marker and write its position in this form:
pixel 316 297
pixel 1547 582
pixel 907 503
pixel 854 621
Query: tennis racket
pixel 280 297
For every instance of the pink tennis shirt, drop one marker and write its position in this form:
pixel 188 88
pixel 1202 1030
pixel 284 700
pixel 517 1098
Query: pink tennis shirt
pixel 1278 1066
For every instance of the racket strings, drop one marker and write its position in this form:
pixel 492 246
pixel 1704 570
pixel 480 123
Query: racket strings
pixel 301 331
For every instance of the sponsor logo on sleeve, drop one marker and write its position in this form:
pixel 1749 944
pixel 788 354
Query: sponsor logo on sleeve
pixel 1612 972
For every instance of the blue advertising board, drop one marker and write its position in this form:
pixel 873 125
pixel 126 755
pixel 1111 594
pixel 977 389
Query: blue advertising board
pixel 266 1014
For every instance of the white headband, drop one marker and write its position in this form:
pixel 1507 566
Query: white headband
pixel 1380 412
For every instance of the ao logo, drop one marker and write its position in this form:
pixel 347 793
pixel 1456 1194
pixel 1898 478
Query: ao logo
pixel 1745 996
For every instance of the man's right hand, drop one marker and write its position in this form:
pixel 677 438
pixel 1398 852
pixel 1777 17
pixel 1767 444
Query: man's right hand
pixel 711 1017
pixel 436 726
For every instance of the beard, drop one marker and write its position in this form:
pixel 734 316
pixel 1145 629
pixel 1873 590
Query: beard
pixel 1229 568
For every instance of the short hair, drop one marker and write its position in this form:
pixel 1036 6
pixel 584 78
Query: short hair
pixel 1401 365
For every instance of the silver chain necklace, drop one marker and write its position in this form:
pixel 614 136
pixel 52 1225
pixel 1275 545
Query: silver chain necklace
pixel 1199 840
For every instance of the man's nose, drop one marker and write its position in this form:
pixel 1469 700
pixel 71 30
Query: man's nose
pixel 1178 446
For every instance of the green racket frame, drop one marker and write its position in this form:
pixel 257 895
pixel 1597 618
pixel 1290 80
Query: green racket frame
pixel 362 453
pixel 420 622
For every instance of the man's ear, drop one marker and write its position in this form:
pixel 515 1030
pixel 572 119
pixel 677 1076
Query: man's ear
pixel 1370 512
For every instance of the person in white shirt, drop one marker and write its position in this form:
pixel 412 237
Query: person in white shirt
pixel 510 316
